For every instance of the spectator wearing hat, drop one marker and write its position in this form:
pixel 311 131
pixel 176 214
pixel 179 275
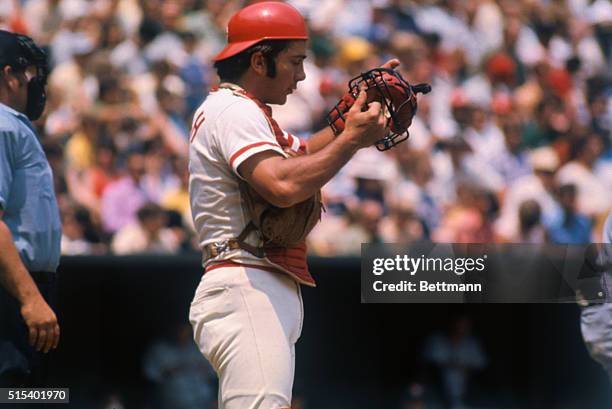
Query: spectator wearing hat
pixel 539 186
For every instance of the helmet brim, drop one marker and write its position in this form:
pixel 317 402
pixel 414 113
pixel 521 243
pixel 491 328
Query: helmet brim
pixel 235 48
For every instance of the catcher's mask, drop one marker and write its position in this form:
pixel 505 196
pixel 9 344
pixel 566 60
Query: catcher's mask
pixel 20 51
pixel 397 97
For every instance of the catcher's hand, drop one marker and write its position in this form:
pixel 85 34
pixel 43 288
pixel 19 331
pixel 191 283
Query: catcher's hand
pixel 367 124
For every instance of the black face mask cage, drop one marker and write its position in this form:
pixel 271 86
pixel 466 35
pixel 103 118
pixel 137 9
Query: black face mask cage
pixel 34 56
pixel 375 78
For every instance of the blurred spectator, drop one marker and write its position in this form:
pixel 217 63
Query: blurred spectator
pixel 467 221
pixel 512 162
pixel 147 235
pixel 159 177
pixel 73 237
pixel 184 380
pixel 195 73
pixel 177 198
pixel 416 186
pixel 530 229
pixel 122 198
pixel 70 78
pixel 547 123
pixel 130 54
pixel 79 235
pixel 104 170
pixel 594 196
pixel 402 226
pixel 79 150
pixel 572 227
pixel 455 164
pixel 455 354
pixel 538 187
pixel 599 111
pixel 362 226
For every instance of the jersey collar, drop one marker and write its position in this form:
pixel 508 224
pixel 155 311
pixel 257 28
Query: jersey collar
pixel 238 89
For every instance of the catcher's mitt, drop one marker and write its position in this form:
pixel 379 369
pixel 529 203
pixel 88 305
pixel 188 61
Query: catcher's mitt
pixel 396 95
pixel 284 227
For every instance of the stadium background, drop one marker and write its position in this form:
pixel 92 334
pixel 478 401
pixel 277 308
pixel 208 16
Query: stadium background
pixel 512 145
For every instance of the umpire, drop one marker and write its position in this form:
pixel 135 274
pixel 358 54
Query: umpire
pixel 30 227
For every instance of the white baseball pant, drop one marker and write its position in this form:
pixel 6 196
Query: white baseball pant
pixel 246 322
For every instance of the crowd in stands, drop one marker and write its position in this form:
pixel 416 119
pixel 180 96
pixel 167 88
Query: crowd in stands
pixel 513 144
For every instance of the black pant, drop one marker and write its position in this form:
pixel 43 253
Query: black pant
pixel 20 364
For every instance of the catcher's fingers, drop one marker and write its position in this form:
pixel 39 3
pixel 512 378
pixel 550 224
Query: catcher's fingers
pixel 359 102
pixel 391 64
pixel 375 110
pixel 382 119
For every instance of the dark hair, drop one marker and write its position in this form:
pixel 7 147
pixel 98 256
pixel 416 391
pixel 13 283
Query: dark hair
pixel 148 30
pixel 529 213
pixel 577 148
pixel 149 211
pixel 231 69
pixel 567 189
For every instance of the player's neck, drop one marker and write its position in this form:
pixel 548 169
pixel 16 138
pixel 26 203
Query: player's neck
pixel 253 86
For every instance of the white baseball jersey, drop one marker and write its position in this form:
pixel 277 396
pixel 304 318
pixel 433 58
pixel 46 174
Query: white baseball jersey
pixel 228 128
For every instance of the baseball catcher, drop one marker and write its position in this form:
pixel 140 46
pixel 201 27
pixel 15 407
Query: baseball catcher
pixel 254 192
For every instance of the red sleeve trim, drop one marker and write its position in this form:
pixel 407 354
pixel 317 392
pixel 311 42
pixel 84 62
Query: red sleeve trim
pixel 246 148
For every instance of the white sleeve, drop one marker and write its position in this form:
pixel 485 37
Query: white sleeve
pixel 244 131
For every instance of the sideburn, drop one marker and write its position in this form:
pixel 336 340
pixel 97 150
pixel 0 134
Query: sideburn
pixel 270 66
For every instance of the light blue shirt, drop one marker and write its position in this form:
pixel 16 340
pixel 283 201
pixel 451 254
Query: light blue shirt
pixel 26 193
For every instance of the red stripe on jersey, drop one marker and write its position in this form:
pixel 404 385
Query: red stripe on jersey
pixel 246 148
pixel 302 148
pixel 278 132
pixel 290 139
pixel 196 125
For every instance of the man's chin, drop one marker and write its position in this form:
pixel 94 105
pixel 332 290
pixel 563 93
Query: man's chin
pixel 278 100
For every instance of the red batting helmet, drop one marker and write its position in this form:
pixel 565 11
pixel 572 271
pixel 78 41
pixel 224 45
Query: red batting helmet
pixel 268 20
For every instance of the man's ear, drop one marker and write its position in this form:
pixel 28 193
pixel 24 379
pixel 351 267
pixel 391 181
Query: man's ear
pixel 8 73
pixel 5 72
pixel 258 63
